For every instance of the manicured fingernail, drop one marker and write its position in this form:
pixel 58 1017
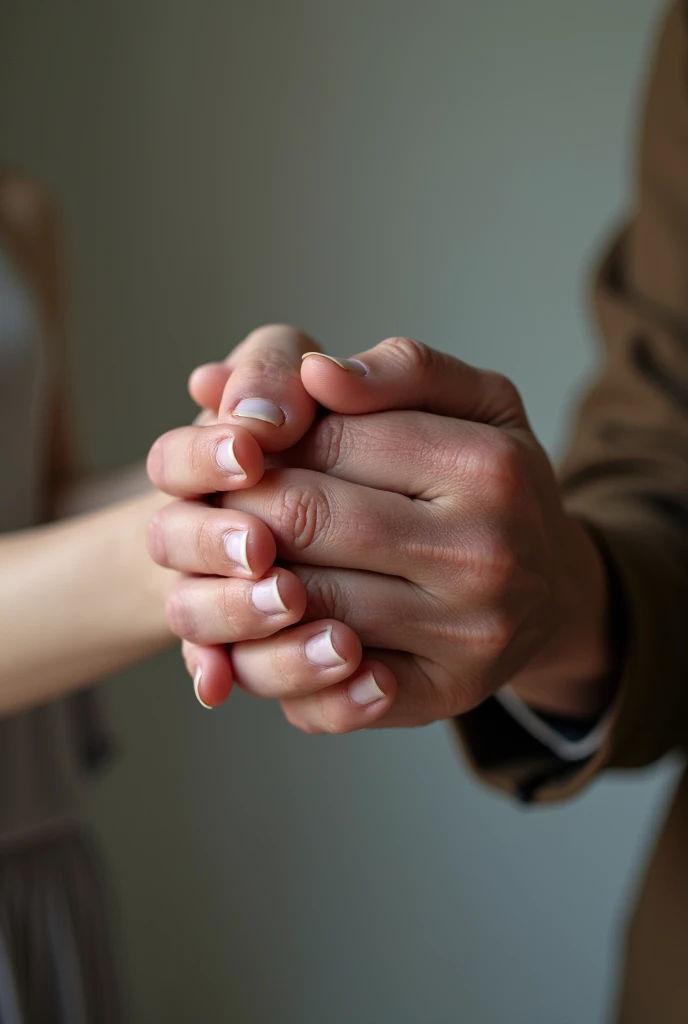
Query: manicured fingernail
pixel 352 365
pixel 320 650
pixel 227 460
pixel 236 544
pixel 365 690
pixel 197 681
pixel 259 409
pixel 266 596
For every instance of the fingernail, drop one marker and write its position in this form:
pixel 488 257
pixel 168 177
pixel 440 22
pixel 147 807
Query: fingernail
pixel 365 690
pixel 259 409
pixel 320 650
pixel 227 460
pixel 197 680
pixel 352 365
pixel 236 544
pixel 266 596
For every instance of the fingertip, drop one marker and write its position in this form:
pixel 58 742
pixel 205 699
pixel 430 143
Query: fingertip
pixel 342 385
pixel 248 453
pixel 197 680
pixel 358 702
pixel 201 373
pixel 321 360
pixel 196 460
pixel 207 383
pixel 211 671
pixel 292 592
pixel 346 642
pixel 261 548
pixel 154 463
pixel 276 421
pixel 373 686
pixel 331 646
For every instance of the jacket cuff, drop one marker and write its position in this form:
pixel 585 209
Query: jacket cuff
pixel 637 727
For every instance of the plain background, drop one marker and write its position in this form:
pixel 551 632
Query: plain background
pixel 361 168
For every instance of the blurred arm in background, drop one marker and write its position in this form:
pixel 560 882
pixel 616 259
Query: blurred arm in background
pixel 79 596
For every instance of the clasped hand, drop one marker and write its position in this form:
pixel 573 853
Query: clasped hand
pixel 372 542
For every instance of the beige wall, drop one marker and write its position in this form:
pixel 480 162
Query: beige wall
pixel 363 168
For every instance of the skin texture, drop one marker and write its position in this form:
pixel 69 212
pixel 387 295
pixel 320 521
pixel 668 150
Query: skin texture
pixel 420 517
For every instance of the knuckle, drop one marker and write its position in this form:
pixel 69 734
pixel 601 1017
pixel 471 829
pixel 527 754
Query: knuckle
pixel 303 515
pixel 179 616
pixel 271 365
pixel 325 596
pixel 428 550
pixel 437 620
pixel 329 443
pixel 489 570
pixel 206 545
pixel 155 541
pixel 288 684
pixel 495 568
pixel 332 720
pixel 289 675
pixel 198 452
pixel 279 338
pixel 227 603
pixel 501 468
pixel 494 633
pixel 410 355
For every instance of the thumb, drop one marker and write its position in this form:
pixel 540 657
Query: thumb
pixel 400 373
pixel 207 382
pixel 259 386
pixel 264 393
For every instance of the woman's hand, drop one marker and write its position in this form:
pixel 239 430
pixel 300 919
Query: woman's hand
pixel 260 405
pixel 437 537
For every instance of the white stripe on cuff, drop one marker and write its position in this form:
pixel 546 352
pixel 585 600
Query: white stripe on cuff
pixel 565 749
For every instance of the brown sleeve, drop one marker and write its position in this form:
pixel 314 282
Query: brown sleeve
pixel 626 473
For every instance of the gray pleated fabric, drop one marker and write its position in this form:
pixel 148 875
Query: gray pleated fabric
pixel 56 963
pixel 56 958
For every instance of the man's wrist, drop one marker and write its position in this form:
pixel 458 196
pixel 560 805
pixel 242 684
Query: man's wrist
pixel 575 673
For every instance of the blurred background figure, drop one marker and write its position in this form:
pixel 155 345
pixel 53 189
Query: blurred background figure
pixel 72 610
pixel 230 163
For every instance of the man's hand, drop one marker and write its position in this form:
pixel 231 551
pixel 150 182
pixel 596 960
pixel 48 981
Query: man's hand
pixel 437 536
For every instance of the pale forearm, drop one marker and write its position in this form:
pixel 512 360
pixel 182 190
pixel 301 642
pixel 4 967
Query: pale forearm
pixel 79 599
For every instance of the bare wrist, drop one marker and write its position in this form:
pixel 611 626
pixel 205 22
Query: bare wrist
pixel 151 584
pixel 574 674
